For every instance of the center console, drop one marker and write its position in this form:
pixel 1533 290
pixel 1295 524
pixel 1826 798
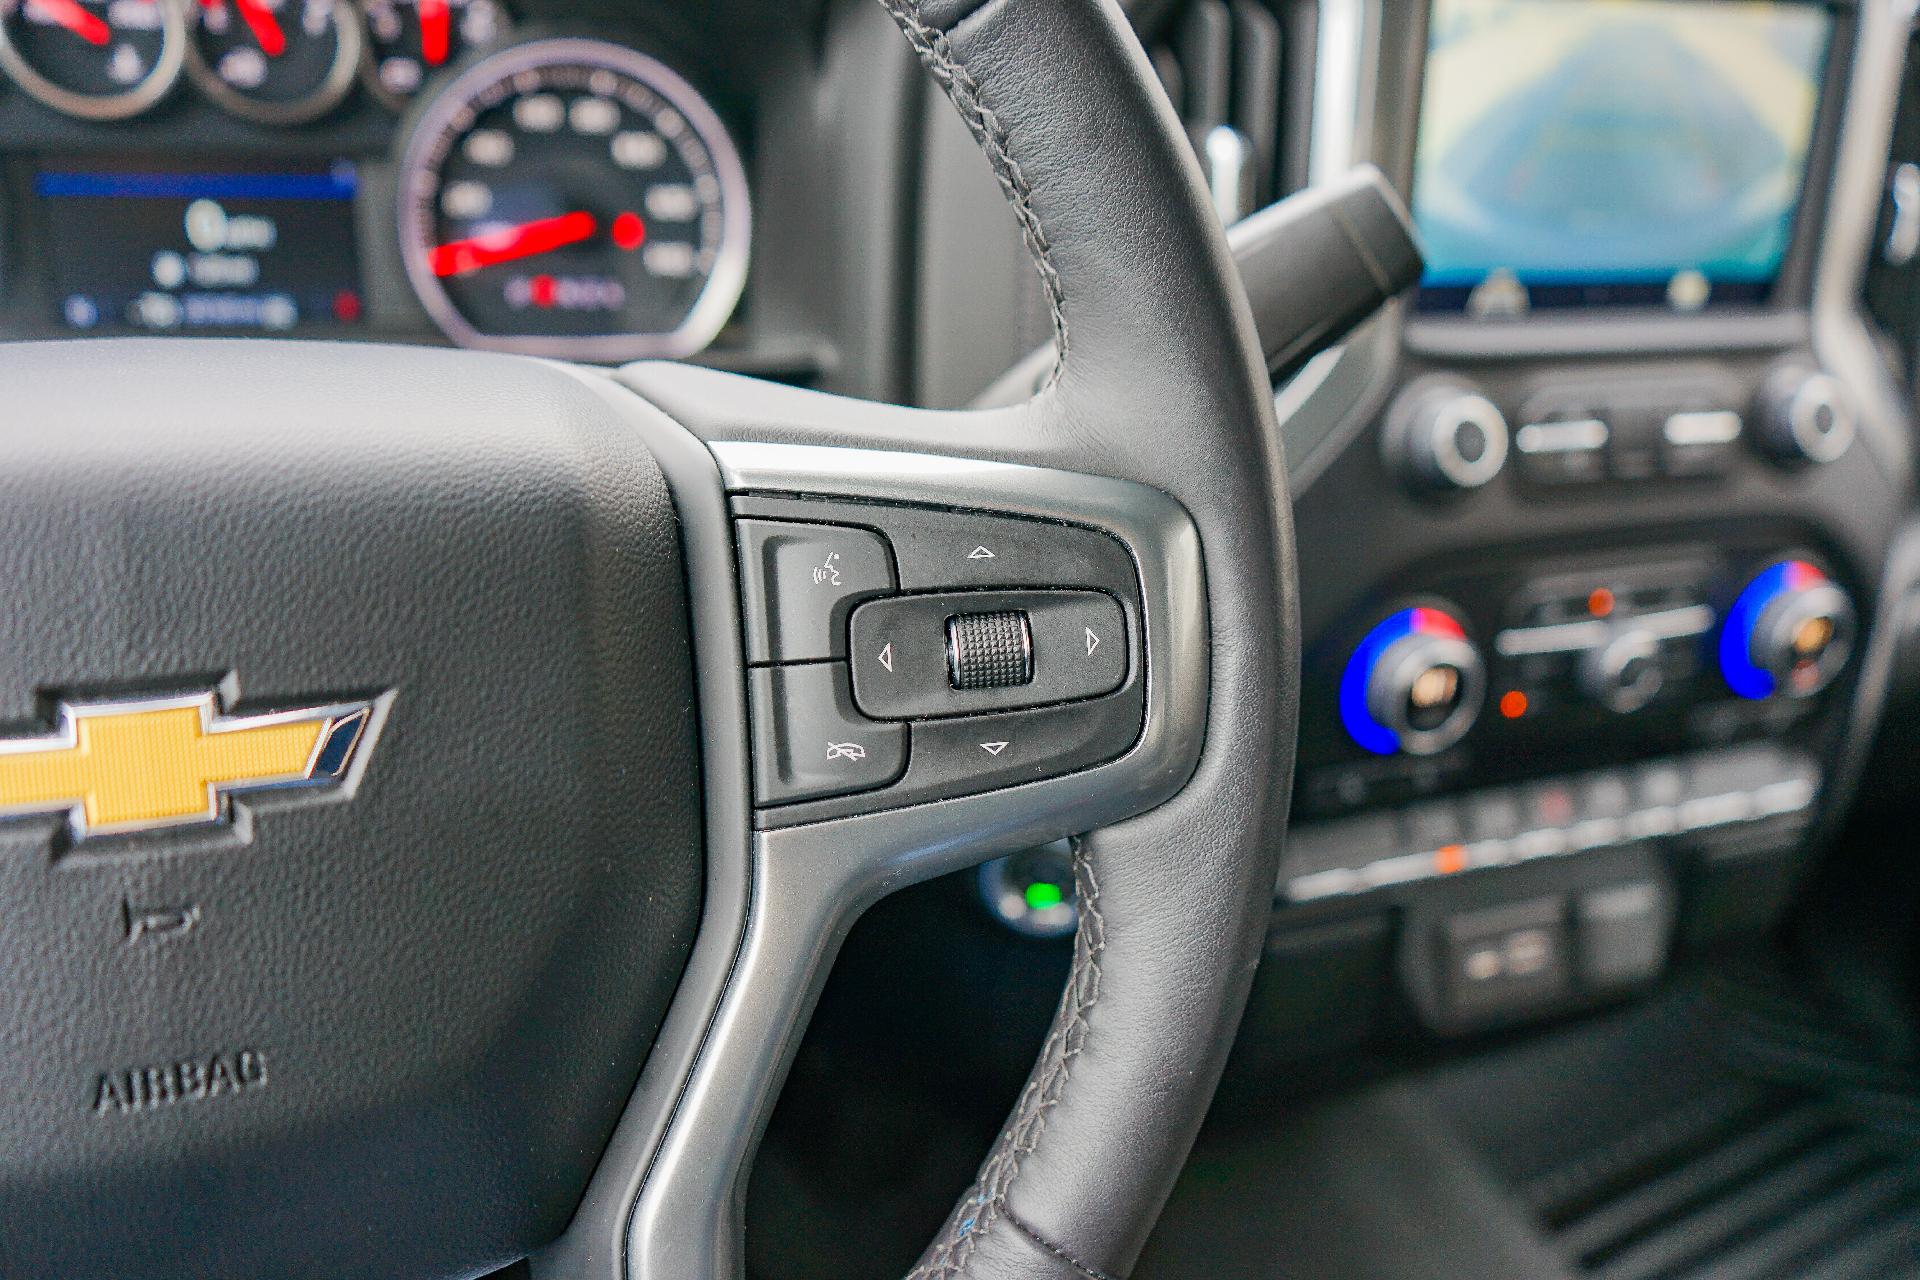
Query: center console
pixel 1591 584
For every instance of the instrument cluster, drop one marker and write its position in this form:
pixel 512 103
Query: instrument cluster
pixel 273 61
pixel 430 163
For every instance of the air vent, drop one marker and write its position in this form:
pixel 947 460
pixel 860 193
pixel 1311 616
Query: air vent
pixel 1769 1185
pixel 1224 65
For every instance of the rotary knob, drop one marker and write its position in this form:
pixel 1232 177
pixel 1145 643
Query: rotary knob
pixel 1625 674
pixel 1447 436
pixel 1789 631
pixel 1805 416
pixel 1413 684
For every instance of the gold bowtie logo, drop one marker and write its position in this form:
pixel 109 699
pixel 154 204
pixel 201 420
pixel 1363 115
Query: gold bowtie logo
pixel 141 764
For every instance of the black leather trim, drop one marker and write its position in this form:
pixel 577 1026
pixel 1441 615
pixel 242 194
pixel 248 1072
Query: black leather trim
pixel 1108 1114
pixel 1163 383
pixel 928 36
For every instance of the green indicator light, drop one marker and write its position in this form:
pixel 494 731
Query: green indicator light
pixel 1041 895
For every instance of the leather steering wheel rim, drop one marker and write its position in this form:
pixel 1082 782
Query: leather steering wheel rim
pixel 1159 381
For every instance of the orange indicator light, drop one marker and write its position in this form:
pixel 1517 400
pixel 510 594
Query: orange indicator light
pixel 1600 602
pixel 1513 704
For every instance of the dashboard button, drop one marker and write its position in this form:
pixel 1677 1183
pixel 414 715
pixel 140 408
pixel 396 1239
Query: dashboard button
pixel 1348 843
pixel 800 581
pixel 1505 960
pixel 1700 442
pixel 1635 451
pixel 1626 673
pixel 1433 825
pixel 1494 814
pixel 1447 437
pixel 809 742
pixel 1565 450
pixel 1077 647
pixel 1622 932
pixel 1805 416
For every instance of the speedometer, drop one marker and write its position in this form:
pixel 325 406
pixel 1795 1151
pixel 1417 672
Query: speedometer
pixel 574 198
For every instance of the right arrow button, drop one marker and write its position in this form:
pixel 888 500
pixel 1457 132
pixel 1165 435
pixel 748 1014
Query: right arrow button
pixel 1079 644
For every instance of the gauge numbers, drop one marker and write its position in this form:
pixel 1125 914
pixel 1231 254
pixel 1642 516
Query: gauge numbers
pixel 577 199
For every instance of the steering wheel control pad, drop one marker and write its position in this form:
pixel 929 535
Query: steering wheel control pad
pixel 1008 646
pixel 965 652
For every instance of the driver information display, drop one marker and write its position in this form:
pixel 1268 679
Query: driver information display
pixel 1579 153
pixel 265 251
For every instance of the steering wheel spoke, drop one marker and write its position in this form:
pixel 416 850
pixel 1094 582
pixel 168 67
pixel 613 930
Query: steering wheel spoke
pixel 846 597
pixel 1151 446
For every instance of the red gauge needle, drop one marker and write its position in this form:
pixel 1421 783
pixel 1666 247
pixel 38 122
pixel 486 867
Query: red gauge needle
pixel 265 27
pixel 436 31
pixel 508 244
pixel 69 14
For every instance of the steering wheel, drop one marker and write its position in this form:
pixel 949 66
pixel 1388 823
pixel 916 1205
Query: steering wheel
pixel 394 880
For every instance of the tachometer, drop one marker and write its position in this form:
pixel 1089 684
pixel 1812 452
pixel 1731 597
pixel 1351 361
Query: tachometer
pixel 577 199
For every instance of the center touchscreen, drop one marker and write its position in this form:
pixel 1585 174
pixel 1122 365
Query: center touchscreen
pixel 1594 153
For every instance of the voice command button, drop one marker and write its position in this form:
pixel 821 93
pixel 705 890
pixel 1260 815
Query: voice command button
pixel 800 581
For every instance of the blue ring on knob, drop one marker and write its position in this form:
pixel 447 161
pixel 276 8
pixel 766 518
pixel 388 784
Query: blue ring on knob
pixel 1744 676
pixel 1354 715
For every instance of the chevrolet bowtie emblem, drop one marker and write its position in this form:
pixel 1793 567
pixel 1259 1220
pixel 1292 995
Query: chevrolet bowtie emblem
pixel 140 764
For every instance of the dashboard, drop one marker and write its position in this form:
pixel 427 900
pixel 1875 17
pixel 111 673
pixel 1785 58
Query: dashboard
pixel 550 180
pixel 1600 660
pixel 1601 528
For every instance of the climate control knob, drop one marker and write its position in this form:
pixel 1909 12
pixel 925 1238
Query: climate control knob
pixel 1446 436
pixel 1805 416
pixel 1788 632
pixel 1414 684
pixel 1625 674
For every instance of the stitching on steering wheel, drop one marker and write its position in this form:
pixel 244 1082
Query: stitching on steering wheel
pixel 970 1223
pixel 963 91
pixel 974 1217
pixel 1020 1224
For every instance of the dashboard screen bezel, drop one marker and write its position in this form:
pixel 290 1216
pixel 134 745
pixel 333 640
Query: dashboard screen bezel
pixel 1778 320
pixel 62 257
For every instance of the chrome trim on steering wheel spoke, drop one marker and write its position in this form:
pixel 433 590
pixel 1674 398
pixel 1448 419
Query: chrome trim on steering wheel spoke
pixel 688 1149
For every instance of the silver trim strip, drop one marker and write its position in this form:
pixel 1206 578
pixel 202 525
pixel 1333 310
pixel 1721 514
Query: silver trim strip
pixel 808 884
pixel 1772 800
pixel 1842 338
pixel 1561 637
pixel 1703 426
pixel 1576 637
pixel 1581 435
pixel 1676 624
pixel 1338 68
